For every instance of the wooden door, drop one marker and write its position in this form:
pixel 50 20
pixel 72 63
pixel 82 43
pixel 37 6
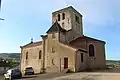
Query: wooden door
pixel 65 63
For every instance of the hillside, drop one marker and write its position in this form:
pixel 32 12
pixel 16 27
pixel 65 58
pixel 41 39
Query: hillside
pixel 10 55
pixel 112 62
pixel 17 57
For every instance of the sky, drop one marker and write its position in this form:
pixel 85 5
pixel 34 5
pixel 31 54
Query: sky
pixel 26 19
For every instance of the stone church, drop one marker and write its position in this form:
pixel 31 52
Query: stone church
pixel 64 47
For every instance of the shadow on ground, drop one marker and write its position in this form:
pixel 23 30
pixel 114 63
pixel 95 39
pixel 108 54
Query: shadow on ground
pixel 108 70
pixel 30 76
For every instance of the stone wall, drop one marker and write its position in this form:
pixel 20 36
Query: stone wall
pixel 33 58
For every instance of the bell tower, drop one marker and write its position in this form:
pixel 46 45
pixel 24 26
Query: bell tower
pixel 70 20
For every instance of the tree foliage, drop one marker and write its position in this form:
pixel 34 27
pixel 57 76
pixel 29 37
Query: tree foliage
pixel 8 62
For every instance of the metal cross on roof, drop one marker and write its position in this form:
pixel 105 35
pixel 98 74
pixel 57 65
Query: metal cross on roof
pixel 31 40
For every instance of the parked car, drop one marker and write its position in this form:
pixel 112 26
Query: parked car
pixel 29 71
pixel 13 74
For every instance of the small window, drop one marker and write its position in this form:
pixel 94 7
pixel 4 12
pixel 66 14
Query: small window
pixel 53 35
pixel 53 62
pixel 26 55
pixel 63 16
pixel 63 25
pixel 58 17
pixel 53 50
pixel 65 63
pixel 91 51
pixel 68 20
pixel 81 57
pixel 40 54
pixel 77 19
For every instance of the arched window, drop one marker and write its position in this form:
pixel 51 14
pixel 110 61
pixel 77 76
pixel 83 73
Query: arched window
pixel 58 17
pixel 82 57
pixel 53 35
pixel 63 16
pixel 77 19
pixel 68 20
pixel 26 55
pixel 53 50
pixel 63 25
pixel 40 54
pixel 53 62
pixel 91 50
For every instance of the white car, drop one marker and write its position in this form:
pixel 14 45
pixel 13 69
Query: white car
pixel 29 71
pixel 13 74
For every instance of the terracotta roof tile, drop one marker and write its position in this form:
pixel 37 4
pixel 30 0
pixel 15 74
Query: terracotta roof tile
pixel 86 38
pixel 72 46
pixel 38 43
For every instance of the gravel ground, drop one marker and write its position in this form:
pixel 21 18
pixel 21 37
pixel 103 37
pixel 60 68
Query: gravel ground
pixel 75 76
pixel 90 76
pixel 1 77
pixel 113 74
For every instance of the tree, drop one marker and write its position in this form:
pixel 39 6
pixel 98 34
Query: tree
pixel 8 63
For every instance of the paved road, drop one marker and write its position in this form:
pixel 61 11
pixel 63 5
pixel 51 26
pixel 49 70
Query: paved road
pixel 112 74
pixel 76 76
pixel 44 76
pixel 1 77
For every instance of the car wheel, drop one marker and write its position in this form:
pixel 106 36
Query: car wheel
pixel 5 79
pixel 25 74
pixel 20 76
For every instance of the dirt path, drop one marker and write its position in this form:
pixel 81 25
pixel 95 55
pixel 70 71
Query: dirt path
pixel 89 76
pixel 78 76
pixel 1 77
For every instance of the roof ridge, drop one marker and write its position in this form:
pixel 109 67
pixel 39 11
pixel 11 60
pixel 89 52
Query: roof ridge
pixel 94 38
pixel 68 45
pixel 55 27
pixel 81 49
pixel 37 41
pixel 31 43
pixel 88 38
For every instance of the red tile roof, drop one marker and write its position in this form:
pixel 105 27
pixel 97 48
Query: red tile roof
pixel 72 46
pixel 86 38
pixel 38 43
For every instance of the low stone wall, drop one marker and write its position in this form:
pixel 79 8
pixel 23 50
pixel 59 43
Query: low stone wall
pixel 3 70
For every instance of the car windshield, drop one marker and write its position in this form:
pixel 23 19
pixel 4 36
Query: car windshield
pixel 16 70
pixel 9 71
pixel 29 68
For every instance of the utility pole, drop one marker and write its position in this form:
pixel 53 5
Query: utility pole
pixel 0 10
pixel 1 19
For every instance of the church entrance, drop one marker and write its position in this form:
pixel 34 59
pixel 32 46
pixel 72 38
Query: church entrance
pixel 65 63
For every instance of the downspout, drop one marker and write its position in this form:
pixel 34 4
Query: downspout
pixel 87 55
pixel 86 45
pixel 59 36
pixel 43 37
pixel 60 64
pixel 21 57
pixel 59 41
pixel 43 55
pixel 76 61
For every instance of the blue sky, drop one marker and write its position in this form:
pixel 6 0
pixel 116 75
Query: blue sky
pixel 26 19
